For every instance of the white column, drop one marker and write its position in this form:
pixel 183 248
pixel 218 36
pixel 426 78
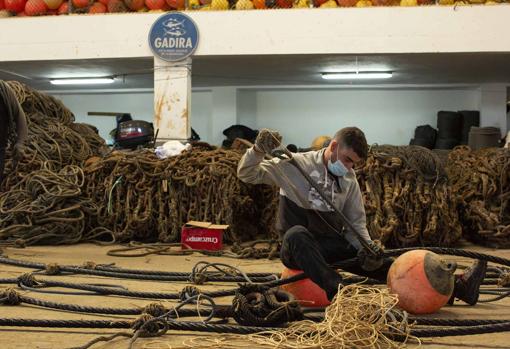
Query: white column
pixel 224 112
pixel 493 106
pixel 172 99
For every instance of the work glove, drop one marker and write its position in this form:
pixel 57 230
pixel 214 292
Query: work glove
pixel 18 152
pixel 367 260
pixel 267 141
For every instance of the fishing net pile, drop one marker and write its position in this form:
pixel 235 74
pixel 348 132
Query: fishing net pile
pixel 480 181
pixel 41 199
pixel 148 199
pixel 407 198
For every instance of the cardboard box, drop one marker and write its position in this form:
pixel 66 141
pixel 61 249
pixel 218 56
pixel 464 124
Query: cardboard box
pixel 202 236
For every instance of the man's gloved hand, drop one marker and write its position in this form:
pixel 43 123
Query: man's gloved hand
pixel 18 152
pixel 367 260
pixel 267 140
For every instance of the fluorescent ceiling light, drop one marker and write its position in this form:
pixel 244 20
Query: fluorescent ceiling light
pixel 352 75
pixel 82 81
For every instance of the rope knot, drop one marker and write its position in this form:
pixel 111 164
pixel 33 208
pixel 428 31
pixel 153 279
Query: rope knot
pixel 10 297
pixel 198 278
pixel 28 280
pixel 52 269
pixel 155 309
pixel 89 265
pixel 188 292
pixel 257 305
pixel 20 243
pixel 149 326
pixel 504 279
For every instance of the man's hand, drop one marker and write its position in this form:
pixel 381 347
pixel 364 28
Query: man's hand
pixel 267 140
pixel 367 260
pixel 18 152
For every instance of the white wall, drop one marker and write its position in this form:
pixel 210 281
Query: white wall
pixel 386 116
pixel 139 104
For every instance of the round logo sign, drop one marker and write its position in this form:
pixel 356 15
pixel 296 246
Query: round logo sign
pixel 173 37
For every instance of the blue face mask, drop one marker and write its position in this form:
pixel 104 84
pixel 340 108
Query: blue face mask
pixel 337 168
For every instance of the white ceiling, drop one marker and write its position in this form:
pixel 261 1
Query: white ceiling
pixel 408 69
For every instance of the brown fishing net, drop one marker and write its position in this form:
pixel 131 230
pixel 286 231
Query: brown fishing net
pixel 144 198
pixel 480 181
pixel 40 198
pixel 407 198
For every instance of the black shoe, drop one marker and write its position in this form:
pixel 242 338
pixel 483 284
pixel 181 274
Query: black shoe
pixel 467 285
pixel 333 285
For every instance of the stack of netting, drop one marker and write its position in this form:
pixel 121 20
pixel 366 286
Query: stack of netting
pixel 40 198
pixel 144 198
pixel 407 198
pixel 480 181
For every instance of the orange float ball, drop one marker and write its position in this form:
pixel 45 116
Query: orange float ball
pixel 306 292
pixel 155 4
pixel 35 8
pixel 64 8
pixel 176 4
pixel 422 280
pixel 96 8
pixel 80 3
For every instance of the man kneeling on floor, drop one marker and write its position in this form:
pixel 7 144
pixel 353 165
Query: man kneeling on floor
pixel 310 226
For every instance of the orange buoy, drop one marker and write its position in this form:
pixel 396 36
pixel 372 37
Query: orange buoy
pixel 422 280
pixel 306 292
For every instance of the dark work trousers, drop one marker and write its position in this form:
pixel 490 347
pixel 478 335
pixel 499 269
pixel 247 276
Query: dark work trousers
pixel 312 253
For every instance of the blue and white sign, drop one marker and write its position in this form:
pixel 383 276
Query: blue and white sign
pixel 173 37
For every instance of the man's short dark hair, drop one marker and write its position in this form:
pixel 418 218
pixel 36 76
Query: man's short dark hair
pixel 354 138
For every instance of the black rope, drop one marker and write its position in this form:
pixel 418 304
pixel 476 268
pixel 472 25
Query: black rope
pixel 462 331
pixel 172 325
pixel 109 271
pixel 128 275
pixel 222 328
pixel 28 280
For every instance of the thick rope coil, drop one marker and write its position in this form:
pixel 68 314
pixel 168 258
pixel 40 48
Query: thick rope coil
pixel 256 305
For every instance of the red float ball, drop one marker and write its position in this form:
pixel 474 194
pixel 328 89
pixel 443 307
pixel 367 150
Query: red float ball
pixel 64 8
pixel 155 4
pixel 306 292
pixel 35 8
pixel 15 6
pixel 422 280
pixel 2 4
pixel 80 3
pixel 96 8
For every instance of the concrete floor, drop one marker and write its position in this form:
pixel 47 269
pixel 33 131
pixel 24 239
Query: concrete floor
pixel 19 338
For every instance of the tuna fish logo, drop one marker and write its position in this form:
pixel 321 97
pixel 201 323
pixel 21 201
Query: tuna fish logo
pixel 174 28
